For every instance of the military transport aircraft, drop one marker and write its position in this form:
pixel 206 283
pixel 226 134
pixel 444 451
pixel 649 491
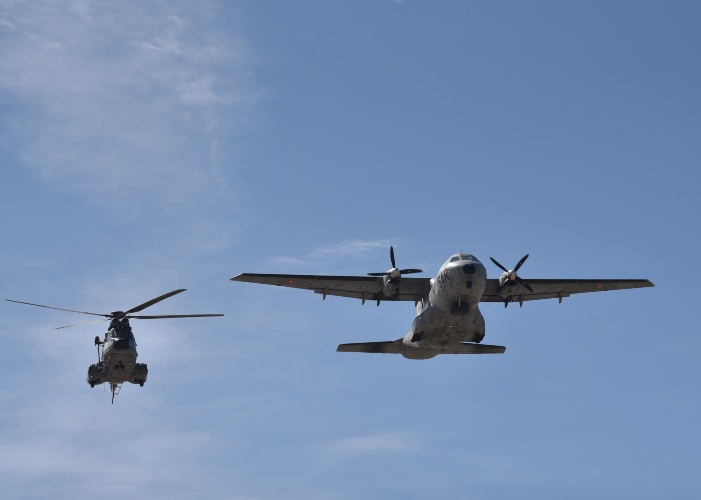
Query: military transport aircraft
pixel 448 319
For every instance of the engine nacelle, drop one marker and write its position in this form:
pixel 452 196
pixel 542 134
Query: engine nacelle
pixel 388 288
pixel 140 374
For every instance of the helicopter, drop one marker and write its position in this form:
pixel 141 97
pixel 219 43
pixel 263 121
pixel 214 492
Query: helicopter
pixel 116 354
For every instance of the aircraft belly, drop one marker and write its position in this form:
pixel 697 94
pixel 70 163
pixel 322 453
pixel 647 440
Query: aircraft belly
pixel 119 365
pixel 436 329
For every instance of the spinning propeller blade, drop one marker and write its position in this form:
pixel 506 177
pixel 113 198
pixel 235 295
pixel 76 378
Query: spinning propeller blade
pixel 520 262
pixel 511 273
pixel 392 272
pixel 499 265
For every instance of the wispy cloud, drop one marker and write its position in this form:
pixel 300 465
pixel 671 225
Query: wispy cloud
pixel 61 446
pixel 121 95
pixel 353 248
pixel 374 443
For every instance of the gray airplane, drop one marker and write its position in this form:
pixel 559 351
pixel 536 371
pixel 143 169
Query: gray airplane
pixel 448 319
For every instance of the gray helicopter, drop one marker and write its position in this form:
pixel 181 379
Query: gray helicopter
pixel 116 354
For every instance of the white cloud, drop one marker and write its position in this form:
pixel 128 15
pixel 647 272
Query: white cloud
pixel 62 444
pixel 353 247
pixel 374 443
pixel 128 96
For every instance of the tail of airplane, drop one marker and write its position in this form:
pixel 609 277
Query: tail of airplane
pixel 392 347
pixel 397 347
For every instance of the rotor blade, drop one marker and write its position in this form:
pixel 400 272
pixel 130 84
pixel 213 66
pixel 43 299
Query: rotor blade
pixel 520 262
pixel 411 271
pixel 154 301
pixel 78 324
pixel 528 287
pixel 58 308
pixel 377 274
pixel 391 256
pixel 499 265
pixel 175 316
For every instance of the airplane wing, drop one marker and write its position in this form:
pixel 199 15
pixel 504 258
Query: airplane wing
pixel 395 347
pixel 356 287
pixel 555 289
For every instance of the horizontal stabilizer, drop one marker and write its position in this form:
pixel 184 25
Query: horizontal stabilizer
pixel 392 347
pixel 395 347
pixel 474 349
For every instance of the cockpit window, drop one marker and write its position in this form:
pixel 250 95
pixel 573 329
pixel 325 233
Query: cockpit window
pixel 462 256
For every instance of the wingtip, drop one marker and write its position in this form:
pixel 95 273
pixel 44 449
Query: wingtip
pixel 238 277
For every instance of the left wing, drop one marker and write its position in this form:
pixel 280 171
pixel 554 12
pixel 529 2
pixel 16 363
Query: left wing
pixel 356 287
pixel 555 289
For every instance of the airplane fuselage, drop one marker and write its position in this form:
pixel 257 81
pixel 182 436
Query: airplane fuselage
pixel 451 314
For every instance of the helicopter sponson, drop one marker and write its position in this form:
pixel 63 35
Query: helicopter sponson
pixel 97 374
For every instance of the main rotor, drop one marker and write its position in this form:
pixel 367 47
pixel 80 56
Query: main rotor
pixel 125 314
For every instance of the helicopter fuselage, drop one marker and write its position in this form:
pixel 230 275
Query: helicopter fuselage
pixel 117 362
pixel 116 354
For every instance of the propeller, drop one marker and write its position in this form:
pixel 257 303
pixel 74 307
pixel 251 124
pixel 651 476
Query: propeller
pixel 511 274
pixel 125 314
pixel 395 273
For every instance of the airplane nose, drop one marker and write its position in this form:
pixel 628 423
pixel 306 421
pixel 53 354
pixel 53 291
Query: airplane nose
pixel 469 269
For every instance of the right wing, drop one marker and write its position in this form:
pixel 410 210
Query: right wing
pixel 356 287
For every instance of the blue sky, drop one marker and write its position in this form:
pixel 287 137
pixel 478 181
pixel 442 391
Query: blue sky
pixel 153 146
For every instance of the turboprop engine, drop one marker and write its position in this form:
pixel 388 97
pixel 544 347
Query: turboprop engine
pixel 392 277
pixel 388 287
